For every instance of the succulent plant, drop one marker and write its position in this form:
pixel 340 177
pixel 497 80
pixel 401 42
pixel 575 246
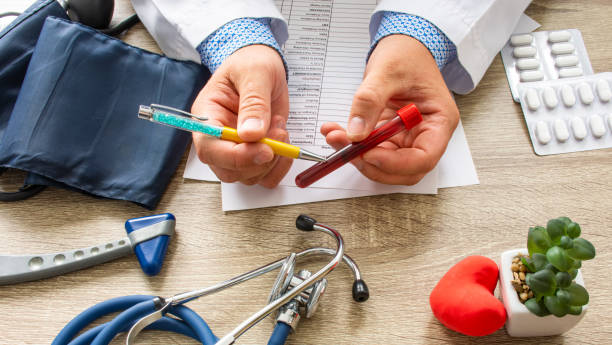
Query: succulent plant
pixel 555 255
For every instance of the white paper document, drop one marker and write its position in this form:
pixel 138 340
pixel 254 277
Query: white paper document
pixel 326 54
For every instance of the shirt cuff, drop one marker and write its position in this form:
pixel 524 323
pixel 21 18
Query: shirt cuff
pixel 442 49
pixel 234 35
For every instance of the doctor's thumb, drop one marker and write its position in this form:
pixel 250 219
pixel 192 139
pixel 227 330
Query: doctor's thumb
pixel 254 109
pixel 368 103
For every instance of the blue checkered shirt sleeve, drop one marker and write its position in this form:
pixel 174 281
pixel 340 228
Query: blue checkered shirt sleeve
pixel 234 35
pixel 442 49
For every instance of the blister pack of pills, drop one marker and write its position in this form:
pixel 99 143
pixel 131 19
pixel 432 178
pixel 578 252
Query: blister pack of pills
pixel 567 115
pixel 544 55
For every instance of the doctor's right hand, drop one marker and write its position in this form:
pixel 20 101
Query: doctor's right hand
pixel 248 92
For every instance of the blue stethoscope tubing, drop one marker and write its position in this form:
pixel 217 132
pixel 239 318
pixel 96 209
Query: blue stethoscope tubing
pixel 133 308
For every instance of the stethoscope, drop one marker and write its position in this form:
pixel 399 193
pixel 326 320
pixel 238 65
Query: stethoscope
pixel 291 294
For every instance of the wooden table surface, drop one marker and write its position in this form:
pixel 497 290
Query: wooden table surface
pixel 403 243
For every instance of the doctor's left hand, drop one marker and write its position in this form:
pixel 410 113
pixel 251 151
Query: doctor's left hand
pixel 401 70
pixel 248 92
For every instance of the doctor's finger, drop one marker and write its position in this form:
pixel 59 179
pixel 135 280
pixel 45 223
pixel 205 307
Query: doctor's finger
pixel 255 88
pixel 422 157
pixel 375 174
pixel 252 157
pixel 368 104
pixel 400 162
pixel 337 139
pixel 225 175
pixel 282 164
pixel 218 101
pixel 276 174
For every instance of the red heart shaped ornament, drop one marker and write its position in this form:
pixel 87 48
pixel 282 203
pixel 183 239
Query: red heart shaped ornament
pixel 463 299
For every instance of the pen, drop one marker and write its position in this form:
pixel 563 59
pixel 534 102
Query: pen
pixel 189 122
pixel 407 117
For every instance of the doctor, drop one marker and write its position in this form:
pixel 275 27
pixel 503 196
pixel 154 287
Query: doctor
pixel 420 52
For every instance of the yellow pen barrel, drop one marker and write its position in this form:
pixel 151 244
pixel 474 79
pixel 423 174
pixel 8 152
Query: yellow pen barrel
pixel 279 147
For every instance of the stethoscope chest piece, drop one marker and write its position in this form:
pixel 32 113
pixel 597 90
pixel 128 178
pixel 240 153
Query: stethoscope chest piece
pixel 285 274
pixel 306 302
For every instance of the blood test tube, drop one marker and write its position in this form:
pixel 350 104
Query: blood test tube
pixel 407 117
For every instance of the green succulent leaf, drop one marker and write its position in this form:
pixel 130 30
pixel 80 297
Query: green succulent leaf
pixel 558 257
pixel 555 306
pixel 573 230
pixel 577 264
pixel 528 262
pixel 563 279
pixel 539 261
pixel 578 294
pixel 575 309
pixel 573 273
pixel 538 296
pixel 556 228
pixel 550 266
pixel 538 241
pixel 536 308
pixel 582 249
pixel 565 220
pixel 563 296
pixel 566 242
pixel 542 282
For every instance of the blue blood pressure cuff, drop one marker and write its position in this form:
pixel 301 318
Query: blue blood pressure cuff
pixel 17 43
pixel 75 120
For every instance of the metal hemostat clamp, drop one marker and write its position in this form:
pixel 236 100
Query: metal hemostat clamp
pixel 148 237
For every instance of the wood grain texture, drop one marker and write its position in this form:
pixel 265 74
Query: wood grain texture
pixel 403 243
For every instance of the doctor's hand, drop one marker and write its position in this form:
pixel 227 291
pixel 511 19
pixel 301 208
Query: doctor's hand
pixel 248 92
pixel 400 70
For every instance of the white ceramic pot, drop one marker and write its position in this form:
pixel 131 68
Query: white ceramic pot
pixel 521 322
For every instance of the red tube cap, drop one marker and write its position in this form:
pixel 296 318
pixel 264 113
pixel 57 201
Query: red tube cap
pixel 411 116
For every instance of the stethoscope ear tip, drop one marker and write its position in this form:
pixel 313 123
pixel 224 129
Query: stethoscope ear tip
pixel 361 293
pixel 305 223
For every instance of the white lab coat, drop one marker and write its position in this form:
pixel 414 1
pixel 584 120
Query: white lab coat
pixel 478 28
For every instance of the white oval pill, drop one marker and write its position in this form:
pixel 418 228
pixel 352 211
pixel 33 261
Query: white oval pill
pixel 550 97
pixel 578 128
pixel 521 40
pixel 561 131
pixel 597 126
pixel 566 61
pixel 585 93
pixel 567 96
pixel 533 75
pixel 603 90
pixel 524 52
pixel 610 121
pixel 559 36
pixel 542 132
pixel 562 48
pixel 532 99
pixel 527 63
pixel 570 72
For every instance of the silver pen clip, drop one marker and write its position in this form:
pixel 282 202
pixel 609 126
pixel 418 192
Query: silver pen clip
pixel 146 112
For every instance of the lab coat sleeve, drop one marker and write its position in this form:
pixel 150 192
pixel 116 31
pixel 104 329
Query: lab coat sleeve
pixel 478 28
pixel 179 26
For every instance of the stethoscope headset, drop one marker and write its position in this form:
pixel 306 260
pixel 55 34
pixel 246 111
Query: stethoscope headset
pixel 96 14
